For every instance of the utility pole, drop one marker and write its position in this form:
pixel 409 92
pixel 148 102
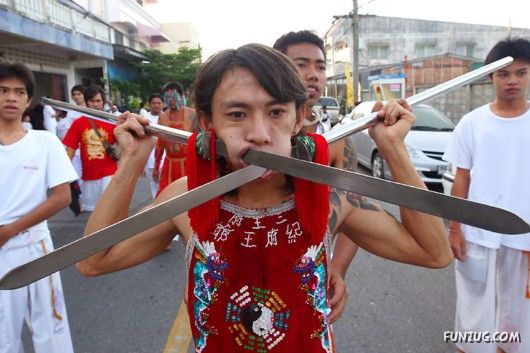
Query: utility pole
pixel 354 16
pixel 355 51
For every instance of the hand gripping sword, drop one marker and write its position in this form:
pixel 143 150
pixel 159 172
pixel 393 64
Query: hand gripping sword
pixel 464 211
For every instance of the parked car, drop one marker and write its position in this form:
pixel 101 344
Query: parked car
pixel 426 144
pixel 333 108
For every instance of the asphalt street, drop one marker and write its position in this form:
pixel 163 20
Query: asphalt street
pixel 391 308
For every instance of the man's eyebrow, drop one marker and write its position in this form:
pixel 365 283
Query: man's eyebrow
pixel 320 61
pixel 19 87
pixel 239 104
pixel 234 104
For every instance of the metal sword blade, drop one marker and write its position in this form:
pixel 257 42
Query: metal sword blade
pixel 177 135
pixel 445 87
pixel 332 135
pixel 473 213
pixel 124 229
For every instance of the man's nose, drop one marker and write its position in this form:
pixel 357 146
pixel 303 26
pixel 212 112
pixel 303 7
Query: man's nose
pixel 258 132
pixel 312 73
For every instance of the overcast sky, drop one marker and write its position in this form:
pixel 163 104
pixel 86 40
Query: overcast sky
pixel 225 24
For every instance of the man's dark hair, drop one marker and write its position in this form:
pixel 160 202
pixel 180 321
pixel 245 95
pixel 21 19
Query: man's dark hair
pixel 517 48
pixel 21 72
pixel 274 71
pixel 93 91
pixel 155 95
pixel 284 42
pixel 36 117
pixel 173 85
pixel 78 88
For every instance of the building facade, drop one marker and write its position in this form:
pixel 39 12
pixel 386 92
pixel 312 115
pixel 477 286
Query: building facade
pixel 426 52
pixel 60 41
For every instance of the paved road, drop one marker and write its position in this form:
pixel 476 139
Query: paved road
pixel 392 307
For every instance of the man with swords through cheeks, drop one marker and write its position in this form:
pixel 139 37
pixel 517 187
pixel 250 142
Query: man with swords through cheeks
pixel 258 255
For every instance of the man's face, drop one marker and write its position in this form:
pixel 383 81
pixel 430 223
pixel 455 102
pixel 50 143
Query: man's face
pixel 171 96
pixel 14 99
pixel 312 65
pixel 244 116
pixel 512 82
pixel 96 102
pixel 156 106
pixel 78 97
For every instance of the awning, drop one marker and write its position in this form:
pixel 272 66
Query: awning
pixel 156 34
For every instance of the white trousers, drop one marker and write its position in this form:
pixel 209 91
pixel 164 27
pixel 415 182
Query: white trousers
pixel 91 191
pixel 152 184
pixel 491 287
pixel 41 305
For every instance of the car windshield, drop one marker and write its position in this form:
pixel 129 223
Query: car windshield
pixel 430 119
pixel 328 102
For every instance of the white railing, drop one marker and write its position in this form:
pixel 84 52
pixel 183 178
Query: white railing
pixel 33 9
pixel 59 14
pixel 55 13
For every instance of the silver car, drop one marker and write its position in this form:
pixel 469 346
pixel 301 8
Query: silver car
pixel 426 143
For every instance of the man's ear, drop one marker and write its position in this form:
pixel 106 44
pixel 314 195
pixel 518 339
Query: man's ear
pixel 205 121
pixel 301 113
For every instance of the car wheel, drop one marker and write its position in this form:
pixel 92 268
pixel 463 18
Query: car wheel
pixel 378 166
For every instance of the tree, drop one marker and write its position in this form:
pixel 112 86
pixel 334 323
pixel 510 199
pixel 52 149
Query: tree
pixel 160 68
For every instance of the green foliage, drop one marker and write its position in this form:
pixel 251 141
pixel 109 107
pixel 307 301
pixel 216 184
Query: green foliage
pixel 160 68
pixel 126 88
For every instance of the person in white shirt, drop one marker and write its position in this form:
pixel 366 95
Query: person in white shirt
pixel 78 96
pixel 50 119
pixel 326 118
pixel 34 179
pixel 156 103
pixel 488 148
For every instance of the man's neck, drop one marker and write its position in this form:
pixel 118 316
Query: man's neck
pixel 509 108
pixel 261 193
pixel 11 131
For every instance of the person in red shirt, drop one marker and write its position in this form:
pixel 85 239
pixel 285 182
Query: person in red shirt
pixel 98 167
pixel 257 257
pixel 180 117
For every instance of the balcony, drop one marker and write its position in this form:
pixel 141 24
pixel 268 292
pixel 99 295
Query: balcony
pixel 56 22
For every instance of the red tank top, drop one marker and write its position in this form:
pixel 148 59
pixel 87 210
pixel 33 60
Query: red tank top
pixel 258 284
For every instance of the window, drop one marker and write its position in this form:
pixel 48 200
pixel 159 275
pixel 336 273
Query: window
pixel 465 49
pixel 379 51
pixel 118 37
pixel 423 50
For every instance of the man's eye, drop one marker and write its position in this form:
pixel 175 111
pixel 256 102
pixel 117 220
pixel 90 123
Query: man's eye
pixel 277 112
pixel 236 114
pixel 300 65
pixel 322 68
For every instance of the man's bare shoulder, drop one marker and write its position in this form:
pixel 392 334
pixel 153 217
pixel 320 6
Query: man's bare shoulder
pixel 176 188
pixel 336 152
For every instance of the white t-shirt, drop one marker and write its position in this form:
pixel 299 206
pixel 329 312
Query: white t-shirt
pixel 50 122
pixel 151 160
pixel 495 150
pixel 29 167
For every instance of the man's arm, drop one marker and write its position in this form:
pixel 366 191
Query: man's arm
pixel 456 236
pixel 114 204
pixel 341 155
pixel 58 199
pixel 419 239
pixel 70 152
